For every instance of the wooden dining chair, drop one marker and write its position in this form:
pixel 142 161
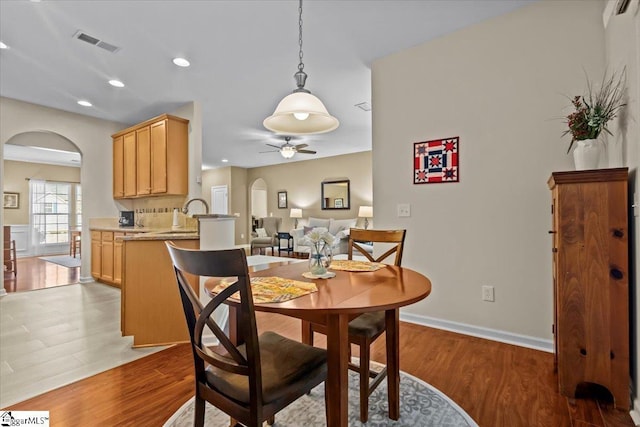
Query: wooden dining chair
pixel 251 381
pixel 366 328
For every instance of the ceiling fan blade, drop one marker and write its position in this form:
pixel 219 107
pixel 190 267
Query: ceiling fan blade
pixel 299 146
pixel 270 151
pixel 274 146
pixel 306 151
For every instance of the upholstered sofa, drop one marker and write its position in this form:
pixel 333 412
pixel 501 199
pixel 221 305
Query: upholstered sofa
pixel 338 228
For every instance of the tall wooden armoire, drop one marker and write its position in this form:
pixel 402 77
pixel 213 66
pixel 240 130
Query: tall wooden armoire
pixel 591 280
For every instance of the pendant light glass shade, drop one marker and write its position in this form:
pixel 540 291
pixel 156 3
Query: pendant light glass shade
pixel 300 113
pixel 283 120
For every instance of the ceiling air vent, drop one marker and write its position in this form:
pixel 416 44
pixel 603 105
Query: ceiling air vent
pixel 81 35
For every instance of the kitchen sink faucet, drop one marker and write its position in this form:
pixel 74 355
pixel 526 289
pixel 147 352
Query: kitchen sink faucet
pixel 185 208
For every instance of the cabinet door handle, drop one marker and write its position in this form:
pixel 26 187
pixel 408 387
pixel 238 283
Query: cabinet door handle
pixel 552 232
pixel 618 233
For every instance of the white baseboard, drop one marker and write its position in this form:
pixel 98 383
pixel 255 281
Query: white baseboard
pixel 480 332
pixel 635 415
pixel 88 279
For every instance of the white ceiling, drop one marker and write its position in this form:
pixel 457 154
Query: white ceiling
pixel 243 56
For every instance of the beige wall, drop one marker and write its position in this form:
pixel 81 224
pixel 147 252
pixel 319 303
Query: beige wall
pixel 301 180
pixel 93 139
pixel 16 179
pixel 500 86
pixel 622 37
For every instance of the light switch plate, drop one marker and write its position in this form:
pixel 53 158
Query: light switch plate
pixel 404 209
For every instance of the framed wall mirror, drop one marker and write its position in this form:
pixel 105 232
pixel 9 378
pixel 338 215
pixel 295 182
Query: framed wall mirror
pixel 336 194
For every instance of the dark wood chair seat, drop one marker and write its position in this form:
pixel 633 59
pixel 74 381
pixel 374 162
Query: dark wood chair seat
pixel 255 377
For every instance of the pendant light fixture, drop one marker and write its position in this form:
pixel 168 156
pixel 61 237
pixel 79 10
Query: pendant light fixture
pixel 300 113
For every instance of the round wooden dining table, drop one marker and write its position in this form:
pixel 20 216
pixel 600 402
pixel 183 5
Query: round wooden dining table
pixel 339 300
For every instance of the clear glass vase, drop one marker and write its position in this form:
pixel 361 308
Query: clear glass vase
pixel 319 259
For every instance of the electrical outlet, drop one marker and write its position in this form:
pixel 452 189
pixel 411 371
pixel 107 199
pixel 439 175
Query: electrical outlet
pixel 242 235
pixel 404 209
pixel 487 294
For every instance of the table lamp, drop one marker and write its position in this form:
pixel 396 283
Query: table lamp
pixel 295 213
pixel 366 212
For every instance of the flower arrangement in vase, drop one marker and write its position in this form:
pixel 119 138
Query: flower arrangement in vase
pixel 321 242
pixel 592 112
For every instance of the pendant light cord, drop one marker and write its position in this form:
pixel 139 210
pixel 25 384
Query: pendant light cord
pixel 300 65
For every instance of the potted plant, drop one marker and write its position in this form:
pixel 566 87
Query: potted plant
pixel 592 112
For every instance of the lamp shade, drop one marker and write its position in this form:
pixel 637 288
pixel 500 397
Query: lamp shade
pixel 296 213
pixel 301 103
pixel 365 212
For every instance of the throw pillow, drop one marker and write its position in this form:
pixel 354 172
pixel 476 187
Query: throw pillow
pixel 307 230
pixel 261 232
pixel 341 224
pixel 319 222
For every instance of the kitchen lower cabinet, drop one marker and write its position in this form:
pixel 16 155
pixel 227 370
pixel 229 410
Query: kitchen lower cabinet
pixel 106 256
pixel 591 280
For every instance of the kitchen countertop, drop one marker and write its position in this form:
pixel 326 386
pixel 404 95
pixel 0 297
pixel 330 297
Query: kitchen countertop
pixel 141 233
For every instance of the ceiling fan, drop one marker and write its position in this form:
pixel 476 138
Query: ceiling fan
pixel 287 150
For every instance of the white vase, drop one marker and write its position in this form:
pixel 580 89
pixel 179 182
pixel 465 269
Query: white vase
pixel 586 154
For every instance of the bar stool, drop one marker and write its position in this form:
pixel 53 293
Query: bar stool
pixel 75 243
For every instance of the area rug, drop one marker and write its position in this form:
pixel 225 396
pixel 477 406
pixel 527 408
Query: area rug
pixel 63 260
pixel 421 405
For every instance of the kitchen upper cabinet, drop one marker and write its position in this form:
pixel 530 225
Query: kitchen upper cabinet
pixel 129 143
pixel 118 167
pixel 143 161
pixel 154 160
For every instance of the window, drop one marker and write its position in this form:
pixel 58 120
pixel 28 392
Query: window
pixel 55 207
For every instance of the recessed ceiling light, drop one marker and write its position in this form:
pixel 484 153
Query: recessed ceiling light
pixel 181 62
pixel 116 83
pixel 3 46
pixel 225 160
pixel 85 103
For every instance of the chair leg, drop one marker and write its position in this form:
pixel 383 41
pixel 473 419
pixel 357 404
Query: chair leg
pixel 198 419
pixel 271 420
pixel 364 381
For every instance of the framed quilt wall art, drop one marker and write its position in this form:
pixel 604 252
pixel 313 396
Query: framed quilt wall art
pixel 436 161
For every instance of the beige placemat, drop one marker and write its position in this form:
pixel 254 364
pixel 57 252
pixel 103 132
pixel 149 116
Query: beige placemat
pixel 353 265
pixel 271 289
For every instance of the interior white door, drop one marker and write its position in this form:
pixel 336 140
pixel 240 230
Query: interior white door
pixel 220 200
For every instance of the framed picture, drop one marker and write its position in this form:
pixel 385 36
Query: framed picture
pixel 337 203
pixel 11 200
pixel 436 161
pixel 282 200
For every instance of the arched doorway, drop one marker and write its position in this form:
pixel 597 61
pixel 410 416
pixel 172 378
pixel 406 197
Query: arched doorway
pixel 43 168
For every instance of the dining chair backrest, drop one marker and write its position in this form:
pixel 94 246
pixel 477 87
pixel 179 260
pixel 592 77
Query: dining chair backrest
pixel 359 237
pixel 220 263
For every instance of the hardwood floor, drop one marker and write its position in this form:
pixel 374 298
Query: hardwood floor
pixel 499 385
pixel 34 273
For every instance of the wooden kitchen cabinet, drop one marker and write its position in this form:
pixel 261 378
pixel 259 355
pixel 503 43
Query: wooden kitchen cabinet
pixel 106 256
pixel 96 254
pixel 154 160
pixel 129 164
pixel 591 280
pixel 143 161
pixel 118 167
pixel 117 258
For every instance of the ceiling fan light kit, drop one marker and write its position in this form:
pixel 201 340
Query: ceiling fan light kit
pixel 300 113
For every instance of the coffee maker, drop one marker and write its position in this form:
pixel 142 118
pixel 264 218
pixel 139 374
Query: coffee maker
pixel 126 219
